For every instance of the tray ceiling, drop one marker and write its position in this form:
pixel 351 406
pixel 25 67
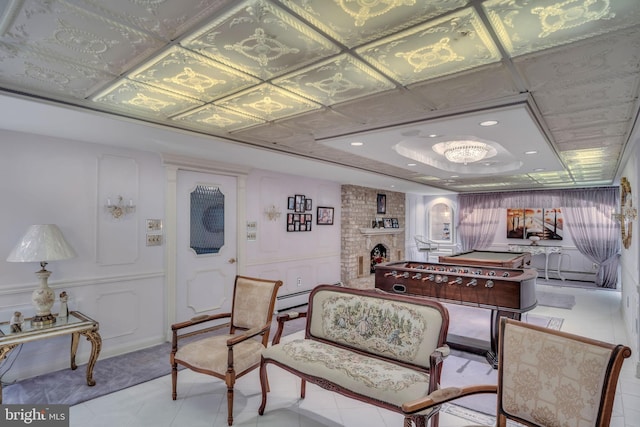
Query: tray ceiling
pixel 310 77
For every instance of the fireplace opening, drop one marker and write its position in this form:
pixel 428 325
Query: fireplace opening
pixel 378 255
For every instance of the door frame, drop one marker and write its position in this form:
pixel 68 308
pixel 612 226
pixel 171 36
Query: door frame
pixel 173 164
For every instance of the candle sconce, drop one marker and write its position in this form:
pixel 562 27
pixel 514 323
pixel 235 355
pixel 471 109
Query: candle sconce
pixel 272 213
pixel 120 208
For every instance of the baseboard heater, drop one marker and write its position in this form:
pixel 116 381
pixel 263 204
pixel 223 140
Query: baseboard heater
pixel 296 299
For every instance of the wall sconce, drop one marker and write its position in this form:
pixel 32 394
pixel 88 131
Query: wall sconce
pixel 120 209
pixel 272 213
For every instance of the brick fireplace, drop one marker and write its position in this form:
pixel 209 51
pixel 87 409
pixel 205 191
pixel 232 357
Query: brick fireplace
pixel 360 239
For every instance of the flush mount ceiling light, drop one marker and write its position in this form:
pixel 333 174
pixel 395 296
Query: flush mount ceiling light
pixel 464 151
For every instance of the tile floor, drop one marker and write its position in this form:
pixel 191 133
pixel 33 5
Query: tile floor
pixel 202 402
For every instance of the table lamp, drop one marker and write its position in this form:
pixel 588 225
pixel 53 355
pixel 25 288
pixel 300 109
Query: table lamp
pixel 42 243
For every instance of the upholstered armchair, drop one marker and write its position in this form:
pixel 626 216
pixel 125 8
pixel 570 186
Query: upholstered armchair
pixel 232 355
pixel 425 245
pixel 545 378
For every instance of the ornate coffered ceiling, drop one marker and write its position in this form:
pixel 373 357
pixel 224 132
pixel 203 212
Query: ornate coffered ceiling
pixel 309 77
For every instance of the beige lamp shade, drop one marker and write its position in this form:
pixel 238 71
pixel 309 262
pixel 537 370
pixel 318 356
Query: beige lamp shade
pixel 41 243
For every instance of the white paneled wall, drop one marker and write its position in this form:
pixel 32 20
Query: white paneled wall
pixel 115 279
pixel 301 260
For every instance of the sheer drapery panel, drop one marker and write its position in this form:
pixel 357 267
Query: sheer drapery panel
pixel 587 218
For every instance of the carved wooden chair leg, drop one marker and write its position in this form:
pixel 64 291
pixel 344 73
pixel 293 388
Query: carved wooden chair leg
pixel 303 388
pixel 174 381
pixel 230 405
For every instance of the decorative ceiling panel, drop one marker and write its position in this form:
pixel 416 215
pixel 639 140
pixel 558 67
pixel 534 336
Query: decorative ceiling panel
pixel 596 93
pixel 321 123
pixel 268 102
pixel 591 117
pixel 582 61
pixel 27 68
pixel 447 45
pixel 472 87
pixel 211 118
pixel 144 100
pixel 165 19
pixel 260 39
pixel 524 26
pixel 276 134
pixel 600 132
pixel 293 75
pixel 335 80
pixel 354 23
pixel 383 108
pixel 550 177
pixel 589 143
pixel 73 34
pixel 190 74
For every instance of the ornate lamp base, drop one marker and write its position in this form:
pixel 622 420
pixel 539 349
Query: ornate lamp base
pixel 48 319
pixel 42 299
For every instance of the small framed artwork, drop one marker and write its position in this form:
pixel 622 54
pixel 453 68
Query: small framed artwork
pixel 299 203
pixel 395 223
pixel 324 216
pixel 291 203
pixel 388 223
pixel 307 204
pixel 381 202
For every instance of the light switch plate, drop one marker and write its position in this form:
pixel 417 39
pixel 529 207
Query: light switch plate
pixel 154 225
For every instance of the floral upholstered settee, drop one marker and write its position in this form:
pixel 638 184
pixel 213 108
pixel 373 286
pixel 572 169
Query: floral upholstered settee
pixel 383 349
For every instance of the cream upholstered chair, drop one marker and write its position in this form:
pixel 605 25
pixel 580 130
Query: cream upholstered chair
pixel 545 378
pixel 231 355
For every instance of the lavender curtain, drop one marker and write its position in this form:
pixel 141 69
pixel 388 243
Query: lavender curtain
pixel 595 233
pixel 478 220
pixel 587 219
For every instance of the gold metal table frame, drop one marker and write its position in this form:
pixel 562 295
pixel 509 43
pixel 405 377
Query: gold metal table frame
pixel 75 324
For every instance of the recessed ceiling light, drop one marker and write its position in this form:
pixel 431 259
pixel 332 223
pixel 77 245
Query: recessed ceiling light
pixel 411 164
pixel 539 169
pixel 454 176
pixel 531 152
pixel 433 135
pixel 489 123
pixel 357 144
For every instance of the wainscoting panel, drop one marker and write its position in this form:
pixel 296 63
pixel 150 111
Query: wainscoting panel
pixel 206 291
pixel 117 237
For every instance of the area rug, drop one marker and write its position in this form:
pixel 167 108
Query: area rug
pixel 111 374
pixel 554 299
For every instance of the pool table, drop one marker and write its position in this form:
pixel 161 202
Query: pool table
pixel 505 259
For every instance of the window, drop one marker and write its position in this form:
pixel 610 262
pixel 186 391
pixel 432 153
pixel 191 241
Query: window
pixel 207 220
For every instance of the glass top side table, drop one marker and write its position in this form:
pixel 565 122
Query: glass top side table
pixel 75 324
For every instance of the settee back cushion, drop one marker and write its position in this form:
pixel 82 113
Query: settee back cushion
pixel 399 330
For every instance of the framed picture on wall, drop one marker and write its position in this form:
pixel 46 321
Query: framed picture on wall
pixel 291 203
pixel 388 223
pixel 299 203
pixel 324 216
pixel 307 204
pixel 381 203
pixel 395 223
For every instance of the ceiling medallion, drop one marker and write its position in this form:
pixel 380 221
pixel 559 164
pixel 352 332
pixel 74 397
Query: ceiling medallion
pixel 570 15
pixel 261 47
pixel 371 9
pixel 467 151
